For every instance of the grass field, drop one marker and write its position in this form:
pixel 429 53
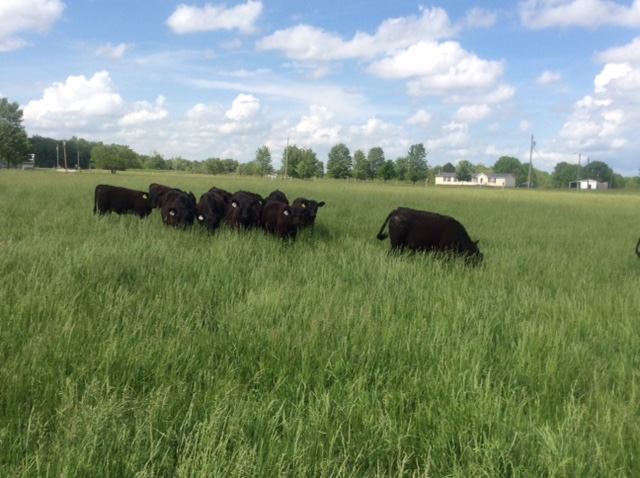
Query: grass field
pixel 132 349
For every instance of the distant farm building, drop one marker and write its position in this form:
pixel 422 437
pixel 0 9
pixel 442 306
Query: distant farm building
pixel 588 184
pixel 482 179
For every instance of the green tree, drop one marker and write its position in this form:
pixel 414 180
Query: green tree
pixel 263 161
pixel 376 160
pixel 291 157
pixel 511 165
pixel 387 171
pixel 308 165
pixel 464 170
pixel 564 173
pixel 599 171
pixel 114 157
pixel 448 168
pixel 339 163
pixel 361 169
pixel 14 144
pixel 417 168
pixel 401 167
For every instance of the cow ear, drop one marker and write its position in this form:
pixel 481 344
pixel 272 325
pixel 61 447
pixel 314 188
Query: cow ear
pixel 321 203
pixel 476 243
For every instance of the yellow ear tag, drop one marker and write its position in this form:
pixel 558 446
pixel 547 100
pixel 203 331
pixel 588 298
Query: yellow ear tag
pixel 304 205
pixel 144 196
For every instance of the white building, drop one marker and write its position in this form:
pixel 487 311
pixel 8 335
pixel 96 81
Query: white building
pixel 481 179
pixel 588 184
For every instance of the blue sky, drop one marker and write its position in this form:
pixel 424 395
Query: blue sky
pixel 470 80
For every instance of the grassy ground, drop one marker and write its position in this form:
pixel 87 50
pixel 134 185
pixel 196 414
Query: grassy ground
pixel 132 349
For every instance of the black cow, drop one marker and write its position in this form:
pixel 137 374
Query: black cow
pixel 277 218
pixel 245 210
pixel 429 232
pixel 225 194
pixel 211 210
pixel 305 211
pixel 638 248
pixel 156 193
pixel 121 201
pixel 179 209
pixel 277 195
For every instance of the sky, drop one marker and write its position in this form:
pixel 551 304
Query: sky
pixel 471 80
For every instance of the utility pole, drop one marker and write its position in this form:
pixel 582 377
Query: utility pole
pixel 64 150
pixel 533 143
pixel 57 157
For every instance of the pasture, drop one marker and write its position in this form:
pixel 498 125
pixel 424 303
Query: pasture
pixel 132 349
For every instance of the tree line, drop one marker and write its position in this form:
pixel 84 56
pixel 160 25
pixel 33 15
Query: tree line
pixel 296 162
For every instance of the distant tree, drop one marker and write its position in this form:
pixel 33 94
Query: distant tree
pixel 448 168
pixel 308 165
pixel 45 151
pixel 599 171
pixel 563 174
pixel 401 167
pixel 154 161
pixel 251 168
pixel 339 163
pixel 417 169
pixel 511 165
pixel 291 157
pixel 464 170
pixel 387 171
pixel 114 157
pixel 14 144
pixel 361 169
pixel 263 161
pixel 375 158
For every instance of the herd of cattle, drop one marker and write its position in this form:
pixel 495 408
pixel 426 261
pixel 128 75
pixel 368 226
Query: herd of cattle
pixel 408 228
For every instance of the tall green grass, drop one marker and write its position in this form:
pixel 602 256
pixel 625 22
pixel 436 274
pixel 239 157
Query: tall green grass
pixel 132 349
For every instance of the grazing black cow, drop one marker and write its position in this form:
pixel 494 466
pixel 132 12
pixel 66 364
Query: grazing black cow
pixel 244 210
pixel 277 195
pixel 277 218
pixel 156 193
pixel 121 201
pixel 211 210
pixel 225 194
pixel 305 211
pixel 429 232
pixel 638 248
pixel 179 209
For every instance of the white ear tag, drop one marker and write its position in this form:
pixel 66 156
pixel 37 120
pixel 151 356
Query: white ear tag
pixel 201 217
pixel 234 204
pixel 286 213
pixel 172 213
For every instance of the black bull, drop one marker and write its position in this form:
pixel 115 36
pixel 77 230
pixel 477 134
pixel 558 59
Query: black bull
pixel 429 232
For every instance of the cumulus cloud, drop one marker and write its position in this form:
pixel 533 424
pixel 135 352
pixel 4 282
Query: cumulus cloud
pixel 74 102
pixel 26 16
pixel 548 77
pixel 305 42
pixel 438 67
pixel 318 127
pixel 537 14
pixel 189 19
pixel 472 113
pixel 420 117
pixel 145 112
pixel 111 51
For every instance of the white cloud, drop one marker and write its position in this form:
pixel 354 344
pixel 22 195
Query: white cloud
pixel 77 101
pixel 620 54
pixel 318 127
pixel 305 42
pixel 480 18
pixel 536 14
pixel 26 16
pixel 145 112
pixel 111 51
pixel 548 77
pixel 244 106
pixel 420 117
pixel 188 19
pixel 472 113
pixel 439 67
